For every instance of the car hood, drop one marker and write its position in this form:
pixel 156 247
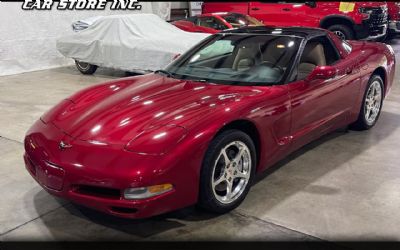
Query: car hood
pixel 118 111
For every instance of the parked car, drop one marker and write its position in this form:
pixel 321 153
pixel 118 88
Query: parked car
pixel 199 130
pixel 136 43
pixel 215 22
pixel 349 20
pixel 394 17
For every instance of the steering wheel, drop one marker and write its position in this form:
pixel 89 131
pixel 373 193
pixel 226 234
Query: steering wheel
pixel 272 65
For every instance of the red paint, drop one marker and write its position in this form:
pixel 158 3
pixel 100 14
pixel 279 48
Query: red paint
pixel 191 24
pixel 323 15
pixel 394 16
pixel 148 130
pixel 191 27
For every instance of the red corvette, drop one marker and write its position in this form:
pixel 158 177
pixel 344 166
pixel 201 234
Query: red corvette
pixel 199 131
pixel 216 22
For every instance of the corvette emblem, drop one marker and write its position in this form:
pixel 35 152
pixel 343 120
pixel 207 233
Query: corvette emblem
pixel 63 145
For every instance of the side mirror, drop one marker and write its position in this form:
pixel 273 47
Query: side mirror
pixel 311 4
pixel 322 72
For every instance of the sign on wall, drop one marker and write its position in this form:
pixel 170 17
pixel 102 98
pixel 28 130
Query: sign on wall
pixel 195 8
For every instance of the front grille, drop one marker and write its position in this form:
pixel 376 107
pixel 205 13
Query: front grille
pixel 378 17
pixel 109 193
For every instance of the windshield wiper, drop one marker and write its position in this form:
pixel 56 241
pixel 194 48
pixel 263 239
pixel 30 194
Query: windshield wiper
pixel 167 73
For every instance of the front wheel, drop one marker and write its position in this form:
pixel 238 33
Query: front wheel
pixel 227 171
pixel 85 68
pixel 342 31
pixel 371 104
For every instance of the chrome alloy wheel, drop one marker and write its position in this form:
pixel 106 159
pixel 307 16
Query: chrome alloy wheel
pixel 231 172
pixel 373 102
pixel 340 34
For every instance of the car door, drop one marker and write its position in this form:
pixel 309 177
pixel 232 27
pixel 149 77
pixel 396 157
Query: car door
pixel 321 105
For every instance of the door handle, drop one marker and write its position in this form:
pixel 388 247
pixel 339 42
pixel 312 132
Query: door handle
pixel 255 8
pixel 286 9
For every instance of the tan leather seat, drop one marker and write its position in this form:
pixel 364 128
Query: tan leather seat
pixel 246 57
pixel 274 52
pixel 313 55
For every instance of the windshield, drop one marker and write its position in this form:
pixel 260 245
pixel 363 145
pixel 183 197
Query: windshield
pixel 239 20
pixel 238 59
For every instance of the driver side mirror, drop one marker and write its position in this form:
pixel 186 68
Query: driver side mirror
pixel 322 72
pixel 311 4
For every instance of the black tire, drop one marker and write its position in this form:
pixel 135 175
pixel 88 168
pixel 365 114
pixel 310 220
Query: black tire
pixel 207 198
pixel 85 68
pixel 345 32
pixel 362 123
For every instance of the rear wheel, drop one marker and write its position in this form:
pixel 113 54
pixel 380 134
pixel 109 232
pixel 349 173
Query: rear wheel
pixel 85 68
pixel 227 171
pixel 371 105
pixel 342 31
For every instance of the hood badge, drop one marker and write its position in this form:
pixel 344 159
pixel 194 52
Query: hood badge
pixel 62 145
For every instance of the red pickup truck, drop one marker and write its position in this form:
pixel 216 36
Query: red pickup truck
pixel 349 20
pixel 394 17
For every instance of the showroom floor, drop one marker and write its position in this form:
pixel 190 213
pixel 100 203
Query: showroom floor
pixel 345 186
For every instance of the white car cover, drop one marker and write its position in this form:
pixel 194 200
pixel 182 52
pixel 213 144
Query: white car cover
pixel 137 42
pixel 85 23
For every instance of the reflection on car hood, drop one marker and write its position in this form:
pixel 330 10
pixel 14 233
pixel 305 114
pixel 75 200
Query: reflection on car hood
pixel 116 112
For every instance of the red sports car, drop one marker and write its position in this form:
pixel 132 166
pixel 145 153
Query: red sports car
pixel 201 129
pixel 215 22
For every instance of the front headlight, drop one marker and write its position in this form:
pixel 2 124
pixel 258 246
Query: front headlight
pixel 366 12
pixel 146 192
pixel 157 140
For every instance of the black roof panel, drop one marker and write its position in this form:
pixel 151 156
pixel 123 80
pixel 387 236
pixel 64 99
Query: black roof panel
pixel 294 31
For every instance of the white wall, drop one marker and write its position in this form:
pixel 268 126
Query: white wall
pixel 179 5
pixel 28 38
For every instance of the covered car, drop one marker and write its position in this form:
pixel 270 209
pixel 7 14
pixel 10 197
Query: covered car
pixel 140 42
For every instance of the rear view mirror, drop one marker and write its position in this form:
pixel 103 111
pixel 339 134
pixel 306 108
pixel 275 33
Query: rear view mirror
pixel 322 72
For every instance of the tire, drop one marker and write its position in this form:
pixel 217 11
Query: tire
pixel 363 123
pixel 85 68
pixel 239 172
pixel 342 31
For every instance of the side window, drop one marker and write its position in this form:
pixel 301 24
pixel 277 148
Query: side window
pixel 211 22
pixel 317 52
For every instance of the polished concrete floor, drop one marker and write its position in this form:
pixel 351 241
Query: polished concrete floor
pixel 345 186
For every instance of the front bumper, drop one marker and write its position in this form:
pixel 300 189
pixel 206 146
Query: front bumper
pixel 394 26
pixel 368 32
pixel 96 175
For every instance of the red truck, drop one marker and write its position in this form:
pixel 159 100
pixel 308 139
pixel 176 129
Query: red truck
pixel 394 17
pixel 349 20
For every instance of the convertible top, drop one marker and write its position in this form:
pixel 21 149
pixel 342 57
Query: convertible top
pixel 142 42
